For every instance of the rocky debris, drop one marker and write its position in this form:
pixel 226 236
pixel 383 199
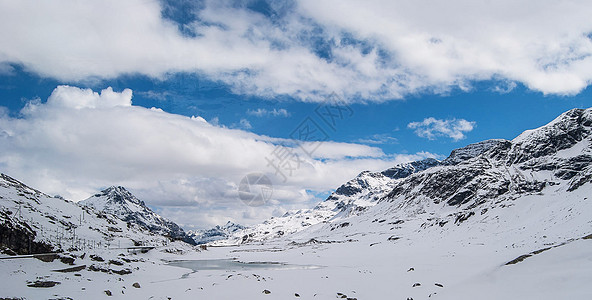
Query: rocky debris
pixel 94 257
pixel 115 262
pixel 266 292
pixel 136 285
pixel 96 268
pixel 344 296
pixel 438 284
pixel 416 284
pixel 72 269
pixel 50 257
pixel 340 225
pixel 42 284
pixel 130 260
pixel 67 259
pixel 314 241
pixel 108 293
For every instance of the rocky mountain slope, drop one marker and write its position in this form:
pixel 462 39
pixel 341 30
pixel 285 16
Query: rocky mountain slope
pixel 474 180
pixel 33 222
pixel 119 202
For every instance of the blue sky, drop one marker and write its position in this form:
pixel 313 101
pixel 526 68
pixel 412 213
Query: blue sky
pixel 233 80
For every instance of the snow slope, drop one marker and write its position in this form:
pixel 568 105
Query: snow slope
pixel 30 216
pixel 119 202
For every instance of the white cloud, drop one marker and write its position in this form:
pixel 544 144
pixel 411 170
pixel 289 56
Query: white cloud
pixel 378 139
pixel 245 124
pixel 72 97
pixel 408 47
pixel 262 112
pixel 505 87
pixel 79 141
pixel 431 128
pixel 160 96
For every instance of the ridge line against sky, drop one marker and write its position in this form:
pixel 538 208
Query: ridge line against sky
pixel 178 100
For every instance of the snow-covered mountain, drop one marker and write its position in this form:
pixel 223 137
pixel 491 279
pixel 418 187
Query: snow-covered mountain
pixel 214 234
pixel 34 222
pixel 119 202
pixel 353 197
pixel 473 181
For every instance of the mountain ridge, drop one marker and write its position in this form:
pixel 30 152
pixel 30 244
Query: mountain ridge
pixel 482 175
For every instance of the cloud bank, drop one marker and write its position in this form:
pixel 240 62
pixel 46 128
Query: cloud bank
pixel 79 141
pixel 372 50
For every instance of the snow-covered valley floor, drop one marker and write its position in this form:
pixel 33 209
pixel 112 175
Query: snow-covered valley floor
pixel 367 260
pixel 383 271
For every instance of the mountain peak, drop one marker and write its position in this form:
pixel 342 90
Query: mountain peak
pixel 565 131
pixel 119 194
pixel 120 202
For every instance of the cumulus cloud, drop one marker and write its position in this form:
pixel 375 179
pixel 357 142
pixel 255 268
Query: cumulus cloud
pixel 71 97
pixel 431 128
pixel 79 141
pixel 309 49
pixel 262 112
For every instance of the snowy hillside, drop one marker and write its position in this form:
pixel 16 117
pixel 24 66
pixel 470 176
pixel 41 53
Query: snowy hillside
pixel 351 198
pixel 555 158
pixel 33 222
pixel 119 202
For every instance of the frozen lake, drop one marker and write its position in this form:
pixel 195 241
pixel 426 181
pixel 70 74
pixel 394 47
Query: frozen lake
pixel 235 265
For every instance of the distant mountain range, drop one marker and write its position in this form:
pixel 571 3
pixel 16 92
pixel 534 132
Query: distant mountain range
pixel 555 158
pixel 215 234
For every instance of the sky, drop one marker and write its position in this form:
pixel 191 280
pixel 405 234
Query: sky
pixel 180 101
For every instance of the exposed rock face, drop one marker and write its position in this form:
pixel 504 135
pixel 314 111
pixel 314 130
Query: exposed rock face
pixel 558 151
pixel 462 154
pixel 20 237
pixel 118 201
pixel 557 155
